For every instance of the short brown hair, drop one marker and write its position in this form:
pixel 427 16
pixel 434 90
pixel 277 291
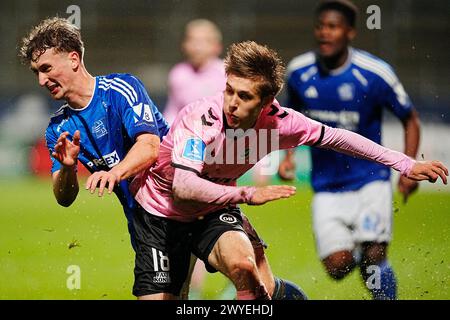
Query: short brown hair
pixel 251 60
pixel 57 33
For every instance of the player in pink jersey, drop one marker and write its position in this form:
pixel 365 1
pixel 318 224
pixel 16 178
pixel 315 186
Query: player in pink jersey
pixel 189 198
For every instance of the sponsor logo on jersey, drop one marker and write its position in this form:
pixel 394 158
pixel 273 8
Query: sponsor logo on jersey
pixel 228 218
pixel 346 91
pixel 194 149
pixel 161 277
pixel 109 160
pixel 343 119
pixel 142 113
pixel 311 93
pixel 99 129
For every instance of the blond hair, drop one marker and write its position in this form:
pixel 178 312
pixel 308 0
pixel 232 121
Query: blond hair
pixel 257 62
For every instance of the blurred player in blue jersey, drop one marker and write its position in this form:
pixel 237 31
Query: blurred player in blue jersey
pixel 348 88
pixel 108 123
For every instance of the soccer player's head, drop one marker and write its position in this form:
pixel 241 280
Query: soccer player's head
pixel 54 50
pixel 202 42
pixel 335 26
pixel 255 75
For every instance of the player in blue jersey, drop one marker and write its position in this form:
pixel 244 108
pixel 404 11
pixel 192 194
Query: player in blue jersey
pixel 109 123
pixel 348 88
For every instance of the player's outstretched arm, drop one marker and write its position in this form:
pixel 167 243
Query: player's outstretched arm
pixel 141 156
pixel 65 182
pixel 188 186
pixel 351 143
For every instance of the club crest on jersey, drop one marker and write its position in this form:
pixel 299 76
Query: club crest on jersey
pixel 228 218
pixel 311 93
pixel 142 113
pixel 98 129
pixel 194 149
pixel 346 91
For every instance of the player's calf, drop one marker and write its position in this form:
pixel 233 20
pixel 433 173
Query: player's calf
pixel 339 264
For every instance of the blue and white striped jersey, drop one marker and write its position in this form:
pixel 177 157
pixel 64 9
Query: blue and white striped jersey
pixel 119 110
pixel 352 97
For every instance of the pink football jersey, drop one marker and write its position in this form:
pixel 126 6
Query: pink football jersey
pixel 200 141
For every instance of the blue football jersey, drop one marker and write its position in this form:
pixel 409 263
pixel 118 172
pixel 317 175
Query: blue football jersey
pixel 119 110
pixel 352 97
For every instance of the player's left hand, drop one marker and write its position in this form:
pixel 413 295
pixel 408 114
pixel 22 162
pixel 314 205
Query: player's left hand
pixel 100 179
pixel 407 187
pixel 429 170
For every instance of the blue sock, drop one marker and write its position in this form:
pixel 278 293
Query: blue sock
pixel 386 288
pixel 286 290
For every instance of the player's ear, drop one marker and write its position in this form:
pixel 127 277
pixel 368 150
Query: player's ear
pixel 351 34
pixel 75 60
pixel 267 101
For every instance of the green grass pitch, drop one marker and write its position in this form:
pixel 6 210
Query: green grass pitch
pixel 39 240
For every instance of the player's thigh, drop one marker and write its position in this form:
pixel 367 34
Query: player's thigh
pixel 162 254
pixel 332 221
pixel 374 221
pixel 212 227
pixel 232 251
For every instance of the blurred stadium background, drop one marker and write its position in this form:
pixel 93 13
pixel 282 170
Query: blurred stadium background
pixel 39 239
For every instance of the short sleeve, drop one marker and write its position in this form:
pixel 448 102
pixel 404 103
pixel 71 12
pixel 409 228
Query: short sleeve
pixel 393 95
pixel 189 145
pixel 135 106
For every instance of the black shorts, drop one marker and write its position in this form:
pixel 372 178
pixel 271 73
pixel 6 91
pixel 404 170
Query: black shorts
pixel 164 246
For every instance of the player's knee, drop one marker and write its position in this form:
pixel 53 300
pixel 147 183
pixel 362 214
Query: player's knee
pixel 374 253
pixel 339 264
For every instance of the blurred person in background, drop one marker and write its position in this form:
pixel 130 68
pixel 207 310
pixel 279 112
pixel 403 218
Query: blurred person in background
pixel 349 88
pixel 202 74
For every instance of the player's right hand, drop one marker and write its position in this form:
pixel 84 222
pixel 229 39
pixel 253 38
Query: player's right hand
pixel 429 170
pixel 270 193
pixel 66 151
